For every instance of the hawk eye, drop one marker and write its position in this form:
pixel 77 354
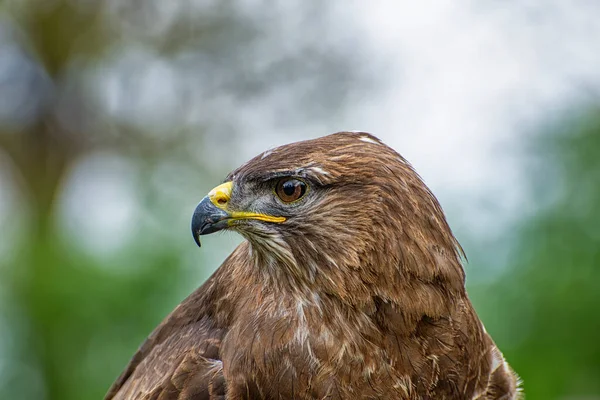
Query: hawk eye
pixel 289 189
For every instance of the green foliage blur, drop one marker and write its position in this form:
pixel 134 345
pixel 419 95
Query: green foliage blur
pixel 544 311
pixel 71 316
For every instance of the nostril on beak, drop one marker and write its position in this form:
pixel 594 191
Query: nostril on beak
pixel 220 195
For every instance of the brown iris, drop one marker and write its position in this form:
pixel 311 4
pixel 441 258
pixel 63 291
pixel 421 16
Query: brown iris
pixel 289 189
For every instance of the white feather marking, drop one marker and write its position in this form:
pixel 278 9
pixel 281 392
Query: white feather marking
pixel 497 360
pixel 368 140
pixel 302 331
pixel 505 366
pixel 338 158
pixel 319 170
pixel 483 327
pixel 267 153
pixel 325 334
pixel 403 383
pixel 317 302
pixel 330 260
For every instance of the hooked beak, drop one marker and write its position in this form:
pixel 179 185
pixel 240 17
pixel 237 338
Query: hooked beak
pixel 211 214
pixel 207 219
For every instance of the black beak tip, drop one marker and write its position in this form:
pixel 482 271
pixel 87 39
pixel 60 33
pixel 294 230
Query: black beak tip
pixel 196 228
pixel 207 219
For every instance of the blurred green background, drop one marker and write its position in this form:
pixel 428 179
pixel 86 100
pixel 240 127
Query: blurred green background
pixel 116 117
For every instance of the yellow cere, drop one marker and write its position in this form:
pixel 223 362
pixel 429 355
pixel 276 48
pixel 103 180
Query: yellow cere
pixel 220 196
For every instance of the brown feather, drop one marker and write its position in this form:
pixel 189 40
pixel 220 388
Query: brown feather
pixel 359 294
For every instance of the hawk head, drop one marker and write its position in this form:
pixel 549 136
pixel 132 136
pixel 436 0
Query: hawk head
pixel 343 214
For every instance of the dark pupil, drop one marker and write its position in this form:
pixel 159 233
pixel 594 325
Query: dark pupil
pixel 289 187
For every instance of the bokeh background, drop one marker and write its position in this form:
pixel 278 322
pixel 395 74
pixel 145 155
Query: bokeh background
pixel 117 116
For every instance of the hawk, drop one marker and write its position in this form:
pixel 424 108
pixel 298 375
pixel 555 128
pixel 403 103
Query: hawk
pixel 349 286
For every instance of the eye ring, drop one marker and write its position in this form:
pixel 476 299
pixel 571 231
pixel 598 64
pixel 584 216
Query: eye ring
pixel 290 190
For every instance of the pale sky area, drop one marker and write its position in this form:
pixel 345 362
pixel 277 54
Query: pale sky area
pixel 456 87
